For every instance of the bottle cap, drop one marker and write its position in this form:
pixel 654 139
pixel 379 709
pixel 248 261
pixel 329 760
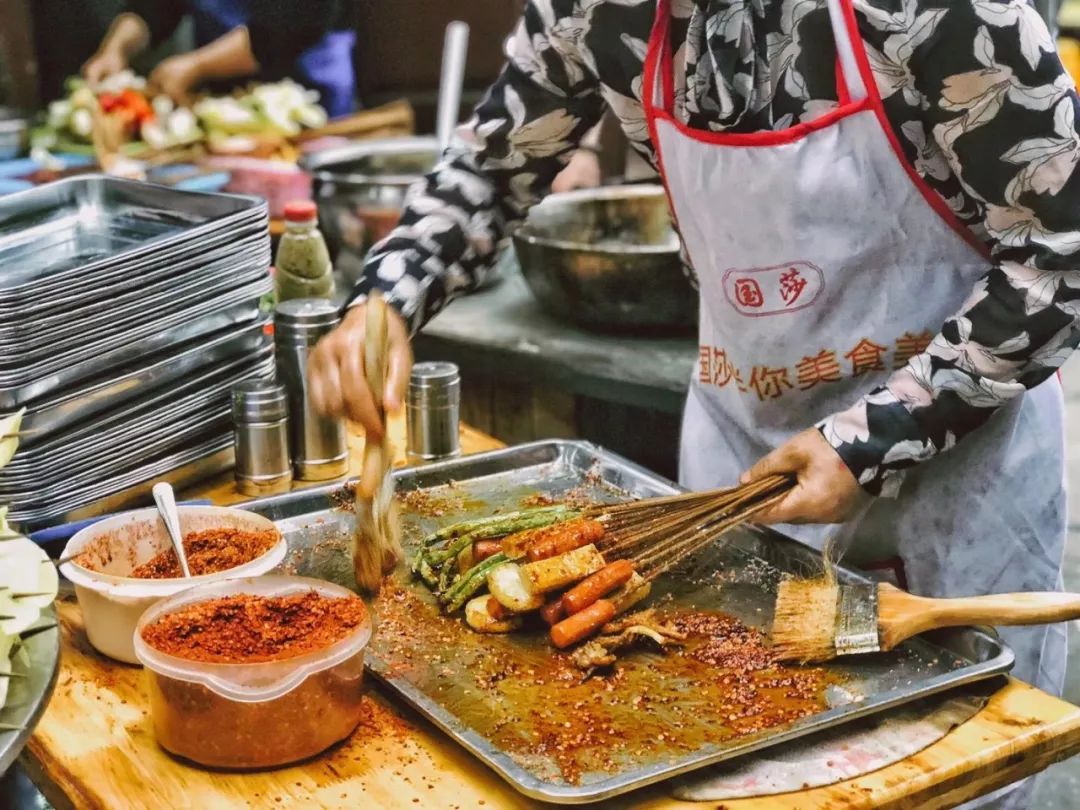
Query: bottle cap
pixel 300 211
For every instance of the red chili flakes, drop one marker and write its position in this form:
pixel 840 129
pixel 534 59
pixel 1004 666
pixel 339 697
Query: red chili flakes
pixel 247 628
pixel 209 552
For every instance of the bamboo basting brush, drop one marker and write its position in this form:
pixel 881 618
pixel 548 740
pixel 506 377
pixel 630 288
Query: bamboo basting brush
pixel 376 546
pixel 819 619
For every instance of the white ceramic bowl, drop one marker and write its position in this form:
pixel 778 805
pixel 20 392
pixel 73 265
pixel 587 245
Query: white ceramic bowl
pixel 112 602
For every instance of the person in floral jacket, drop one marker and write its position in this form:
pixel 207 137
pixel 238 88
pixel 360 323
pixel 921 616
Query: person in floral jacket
pixel 879 200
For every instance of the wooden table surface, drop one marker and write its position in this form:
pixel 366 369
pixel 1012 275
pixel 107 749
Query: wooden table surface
pixel 94 747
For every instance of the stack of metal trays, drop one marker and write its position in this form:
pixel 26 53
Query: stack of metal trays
pixel 127 312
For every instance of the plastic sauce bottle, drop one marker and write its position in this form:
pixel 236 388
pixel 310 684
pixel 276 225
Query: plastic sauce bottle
pixel 303 268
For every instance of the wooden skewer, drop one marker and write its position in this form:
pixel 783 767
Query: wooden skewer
pixel 695 543
pixel 659 533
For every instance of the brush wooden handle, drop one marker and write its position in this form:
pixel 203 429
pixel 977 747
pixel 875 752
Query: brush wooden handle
pixel 902 615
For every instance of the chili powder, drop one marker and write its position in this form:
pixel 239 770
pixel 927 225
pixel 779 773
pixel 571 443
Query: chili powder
pixel 246 629
pixel 208 552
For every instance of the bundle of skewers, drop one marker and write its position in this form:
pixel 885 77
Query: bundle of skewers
pixel 577 568
pixel 376 542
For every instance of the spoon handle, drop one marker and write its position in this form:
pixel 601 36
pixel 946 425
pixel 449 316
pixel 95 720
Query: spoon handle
pixel 166 504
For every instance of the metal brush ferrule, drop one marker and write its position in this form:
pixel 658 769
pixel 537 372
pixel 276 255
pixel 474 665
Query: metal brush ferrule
pixel 857 620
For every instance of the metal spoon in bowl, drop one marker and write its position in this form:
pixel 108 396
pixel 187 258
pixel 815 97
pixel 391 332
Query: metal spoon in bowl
pixel 166 504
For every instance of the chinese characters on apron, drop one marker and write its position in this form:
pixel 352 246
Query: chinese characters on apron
pixel 825 263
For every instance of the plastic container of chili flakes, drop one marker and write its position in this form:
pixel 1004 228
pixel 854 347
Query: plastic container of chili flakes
pixel 254 715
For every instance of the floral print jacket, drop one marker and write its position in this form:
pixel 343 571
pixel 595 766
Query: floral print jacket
pixel 973 89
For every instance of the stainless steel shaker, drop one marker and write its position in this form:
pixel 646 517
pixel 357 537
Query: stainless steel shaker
pixel 433 411
pixel 318 444
pixel 260 425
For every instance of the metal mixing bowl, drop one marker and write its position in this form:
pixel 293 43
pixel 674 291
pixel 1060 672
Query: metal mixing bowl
pixel 360 191
pixel 607 258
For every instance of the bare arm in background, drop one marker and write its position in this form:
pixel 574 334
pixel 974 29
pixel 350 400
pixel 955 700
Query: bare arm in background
pixel 583 170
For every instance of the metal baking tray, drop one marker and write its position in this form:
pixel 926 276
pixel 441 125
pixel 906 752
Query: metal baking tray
pixel 202 459
pixel 737 576
pixel 86 455
pixel 80 224
pixel 191 432
pixel 111 326
pixel 48 295
pixel 192 274
pixel 155 373
pixel 134 424
pixel 228 310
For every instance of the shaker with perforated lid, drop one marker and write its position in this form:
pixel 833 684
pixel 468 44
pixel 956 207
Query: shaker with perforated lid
pixel 260 424
pixel 318 444
pixel 433 409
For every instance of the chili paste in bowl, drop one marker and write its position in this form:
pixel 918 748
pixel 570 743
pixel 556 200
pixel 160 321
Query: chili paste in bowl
pixel 254 673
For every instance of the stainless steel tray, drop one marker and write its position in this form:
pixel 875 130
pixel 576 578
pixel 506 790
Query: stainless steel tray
pixel 48 296
pixel 78 225
pixel 105 326
pixel 737 576
pixel 29 695
pixel 134 432
pixel 152 374
pixel 233 308
pixel 192 274
pixel 202 459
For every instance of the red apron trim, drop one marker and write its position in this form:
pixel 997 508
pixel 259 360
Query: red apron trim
pixel 653 53
pixel 767 137
pixel 658 49
pixel 667 65
pixel 932 197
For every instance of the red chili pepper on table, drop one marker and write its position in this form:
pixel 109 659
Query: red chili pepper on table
pixel 136 102
pixel 108 101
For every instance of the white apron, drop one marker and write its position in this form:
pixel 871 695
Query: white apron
pixel 824 263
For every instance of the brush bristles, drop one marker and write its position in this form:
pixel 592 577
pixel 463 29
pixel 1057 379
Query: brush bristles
pixel 804 623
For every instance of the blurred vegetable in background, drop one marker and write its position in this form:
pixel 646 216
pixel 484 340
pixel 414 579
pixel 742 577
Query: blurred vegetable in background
pixel 241 124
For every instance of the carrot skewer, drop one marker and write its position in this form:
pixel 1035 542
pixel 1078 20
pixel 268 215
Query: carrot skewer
pixel 600 584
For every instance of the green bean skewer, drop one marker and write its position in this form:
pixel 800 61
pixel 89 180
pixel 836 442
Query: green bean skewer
pixel 471 582
pixel 499 525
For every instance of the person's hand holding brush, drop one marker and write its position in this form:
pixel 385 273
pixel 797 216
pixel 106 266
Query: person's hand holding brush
pixel 360 370
pixel 338 380
pixel 825 490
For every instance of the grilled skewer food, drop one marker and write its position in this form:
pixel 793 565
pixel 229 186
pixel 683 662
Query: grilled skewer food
pixel 577 569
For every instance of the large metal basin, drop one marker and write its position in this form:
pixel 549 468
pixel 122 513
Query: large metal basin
pixel 360 190
pixel 607 258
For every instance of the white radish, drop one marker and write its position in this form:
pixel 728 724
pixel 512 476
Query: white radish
pixel 9 440
pixel 635 589
pixel 512 590
pixel 480 619
pixel 25 568
pixel 15 615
